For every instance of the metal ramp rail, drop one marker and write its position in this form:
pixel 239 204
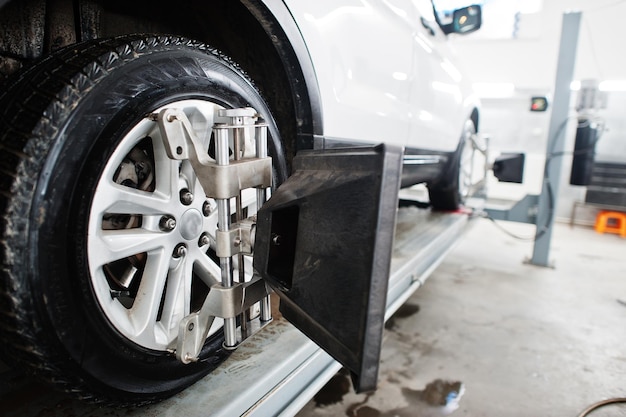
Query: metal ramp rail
pixel 278 370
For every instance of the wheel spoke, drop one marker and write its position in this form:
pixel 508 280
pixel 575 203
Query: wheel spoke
pixel 177 297
pixel 145 309
pixel 112 245
pixel 191 177
pixel 167 170
pixel 207 270
pixel 117 199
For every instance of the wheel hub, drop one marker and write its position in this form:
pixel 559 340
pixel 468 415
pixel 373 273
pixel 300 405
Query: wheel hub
pixel 191 224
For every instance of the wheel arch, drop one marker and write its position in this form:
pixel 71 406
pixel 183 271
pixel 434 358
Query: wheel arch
pixel 260 35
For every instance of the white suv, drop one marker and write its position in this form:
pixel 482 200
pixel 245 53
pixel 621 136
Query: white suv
pixel 108 242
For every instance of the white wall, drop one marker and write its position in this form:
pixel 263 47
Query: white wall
pixel 529 62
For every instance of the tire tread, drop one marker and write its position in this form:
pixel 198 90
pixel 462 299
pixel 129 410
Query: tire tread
pixel 32 107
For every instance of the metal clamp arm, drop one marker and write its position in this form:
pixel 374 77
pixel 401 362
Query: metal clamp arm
pixel 218 181
pixel 221 302
pixel 179 135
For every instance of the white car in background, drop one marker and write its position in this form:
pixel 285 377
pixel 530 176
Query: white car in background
pixel 94 281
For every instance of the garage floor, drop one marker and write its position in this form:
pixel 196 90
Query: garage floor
pixel 496 337
pixel 487 335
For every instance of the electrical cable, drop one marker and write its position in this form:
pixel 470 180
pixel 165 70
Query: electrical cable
pixel 508 232
pixel 541 231
pixel 599 404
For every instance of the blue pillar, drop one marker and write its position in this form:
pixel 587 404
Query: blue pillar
pixel 556 138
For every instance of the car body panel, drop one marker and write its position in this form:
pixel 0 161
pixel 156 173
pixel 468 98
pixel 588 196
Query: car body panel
pixel 377 71
pixel 386 72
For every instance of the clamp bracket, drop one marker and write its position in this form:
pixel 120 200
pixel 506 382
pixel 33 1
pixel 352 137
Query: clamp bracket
pixel 223 302
pixel 218 181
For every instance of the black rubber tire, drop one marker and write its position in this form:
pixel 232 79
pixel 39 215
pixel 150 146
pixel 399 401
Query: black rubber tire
pixel 58 122
pixel 445 194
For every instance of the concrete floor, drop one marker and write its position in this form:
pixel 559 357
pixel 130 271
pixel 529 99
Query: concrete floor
pixel 503 337
pixel 521 340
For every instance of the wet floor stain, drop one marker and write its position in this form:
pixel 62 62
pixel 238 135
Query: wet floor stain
pixel 441 393
pixel 406 310
pixel 438 398
pixel 334 390
pixel 367 411
pixel 361 409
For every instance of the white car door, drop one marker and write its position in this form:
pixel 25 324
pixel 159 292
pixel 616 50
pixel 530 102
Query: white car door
pixel 440 104
pixel 362 51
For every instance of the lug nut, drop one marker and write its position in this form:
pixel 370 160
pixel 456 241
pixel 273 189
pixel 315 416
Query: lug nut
pixel 167 223
pixel 207 209
pixel 204 240
pixel 179 250
pixel 186 197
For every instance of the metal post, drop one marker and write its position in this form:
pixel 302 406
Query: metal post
pixel 260 131
pixel 238 136
pixel 556 138
pixel 223 225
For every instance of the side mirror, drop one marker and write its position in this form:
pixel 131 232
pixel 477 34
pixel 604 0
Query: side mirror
pixel 465 20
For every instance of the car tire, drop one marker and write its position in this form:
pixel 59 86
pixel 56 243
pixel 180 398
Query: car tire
pixel 67 147
pixel 451 192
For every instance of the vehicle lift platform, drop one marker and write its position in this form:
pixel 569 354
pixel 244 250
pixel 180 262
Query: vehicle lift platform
pixel 277 370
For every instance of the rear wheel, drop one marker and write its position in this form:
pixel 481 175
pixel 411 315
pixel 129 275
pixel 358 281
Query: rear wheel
pixel 108 243
pixel 455 187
